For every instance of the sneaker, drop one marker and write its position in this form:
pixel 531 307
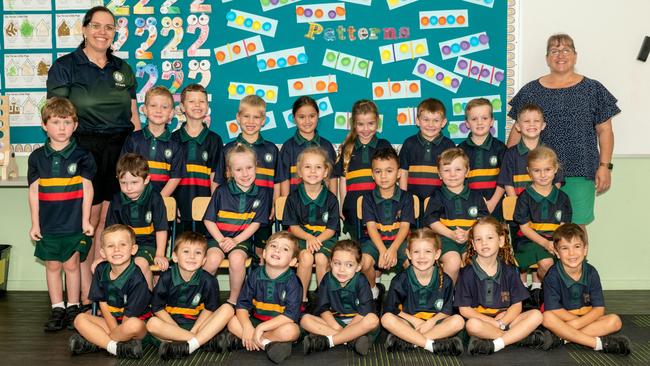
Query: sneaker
pixel 228 342
pixel 361 345
pixel 395 343
pixel 551 340
pixel 535 340
pixel 618 344
pixel 170 350
pixel 452 346
pixel 130 349
pixel 56 321
pixel 278 351
pixel 71 313
pixel 79 345
pixel 315 343
pixel 479 346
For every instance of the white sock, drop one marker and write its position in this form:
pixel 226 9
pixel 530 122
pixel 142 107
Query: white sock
pixel 498 344
pixel 536 285
pixel 265 342
pixel 429 345
pixel 73 304
pixel 599 344
pixel 112 348
pixel 331 340
pixel 375 292
pixel 58 305
pixel 194 344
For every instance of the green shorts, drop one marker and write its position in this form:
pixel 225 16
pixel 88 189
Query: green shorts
pixel 326 248
pixel 449 245
pixel 148 253
pixel 528 253
pixel 261 235
pixel 245 246
pixel 373 334
pixel 582 194
pixel 369 248
pixel 351 229
pixel 60 247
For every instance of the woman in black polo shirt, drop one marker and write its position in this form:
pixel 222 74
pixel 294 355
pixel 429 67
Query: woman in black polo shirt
pixel 103 89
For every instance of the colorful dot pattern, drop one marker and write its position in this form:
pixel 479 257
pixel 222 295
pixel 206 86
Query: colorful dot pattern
pixel 396 89
pixel 274 4
pixel 464 45
pixel 479 71
pixel 281 59
pixel 251 22
pixel 238 91
pixel 406 116
pixel 312 85
pixel 459 104
pixel 437 75
pixel 444 19
pixel 403 51
pixel 329 12
pixel 238 50
pixel 347 63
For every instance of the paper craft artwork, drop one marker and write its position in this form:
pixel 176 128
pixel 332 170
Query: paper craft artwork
pixel 406 116
pixel 394 4
pixel 27 5
pixel 444 19
pixel 464 45
pixel 25 108
pixel 359 2
pixel 288 118
pixel 396 89
pixel 459 104
pixel 26 71
pixel 238 90
pixel 274 4
pixel 251 22
pixel 347 63
pixel 479 71
pixel 238 50
pixel 486 3
pixel 68 30
pixel 27 31
pixel 437 75
pixel 403 51
pixel 329 12
pixel 324 107
pixel 118 7
pixel 122 32
pixel 312 85
pixel 70 4
pixel 175 28
pixel 281 59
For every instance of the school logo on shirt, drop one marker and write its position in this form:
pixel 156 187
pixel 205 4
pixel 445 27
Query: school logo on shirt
pixel 168 153
pixel 268 157
pixel 204 156
pixel 558 215
pixel 124 299
pixel 283 296
pixel 72 168
pixel 196 300
pixel 256 204
pixel 119 79
pixel 438 304
pixel 505 296
pixel 398 215
pixel 586 299
pixel 494 160
pixel 472 211
pixel 326 215
pixel 147 217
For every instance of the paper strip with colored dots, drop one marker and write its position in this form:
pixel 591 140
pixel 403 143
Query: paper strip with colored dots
pixel 312 85
pixel 347 63
pixel 251 22
pixel 406 116
pixel 282 59
pixel 459 129
pixel 359 2
pixel 342 121
pixel 437 75
pixel 403 51
pixel 237 91
pixel 269 121
pixel 239 50
pixel 479 71
pixel 329 12
pixel 394 4
pixel 274 4
pixel 459 104
pixel 288 118
pixel 443 19
pixel 464 45
pixel 324 107
pixel 396 89
pixel 486 3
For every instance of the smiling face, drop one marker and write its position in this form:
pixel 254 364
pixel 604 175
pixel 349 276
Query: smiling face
pixel 422 254
pixel 159 109
pixel 312 168
pixel 60 129
pixel 486 240
pixel 189 256
pixel 278 253
pixel 561 58
pixel 571 252
pixel 306 119
pixel 385 173
pixel 250 119
pixel 241 166
pixel 453 174
pixel 365 125
pixel 344 265
pixel 117 247
pixel 479 120
pixel 430 123
pixel 99 33
pixel 530 124
pixel 195 105
pixel 542 171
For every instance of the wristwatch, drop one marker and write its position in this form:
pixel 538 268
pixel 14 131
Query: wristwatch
pixel 501 325
pixel 609 165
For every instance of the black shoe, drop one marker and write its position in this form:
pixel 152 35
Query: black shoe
pixel 278 351
pixel 551 341
pixel 170 350
pixel 56 321
pixel 84 308
pixel 71 313
pixel 537 297
pixel 395 343
pixel 130 349
pixel 618 344
pixel 315 343
pixel 479 346
pixel 228 342
pixel 79 345
pixel 361 345
pixel 212 345
pixel 452 346
pixel 536 340
pixel 379 300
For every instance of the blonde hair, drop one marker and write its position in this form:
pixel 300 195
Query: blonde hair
pixel 253 101
pixel 316 151
pixel 363 106
pixel 58 107
pixel 450 155
pixel 239 148
pixel 505 252
pixel 156 91
pixel 426 234
pixel 477 102
pixel 558 40
pixel 542 153
pixel 115 228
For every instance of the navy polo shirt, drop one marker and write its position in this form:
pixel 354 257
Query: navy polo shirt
pixel 164 155
pixel 545 214
pixel 420 157
pixel 407 294
pixel 514 169
pixel 578 297
pixel 344 302
pixel 145 216
pixel 203 155
pixel 267 160
pixel 183 300
pixel 102 97
pixel 60 177
pixel 484 164
pixel 127 295
pixel 287 169
pixel 387 213
pixel 313 215
pixel 233 210
pixel 489 295
pixel 455 210
pixel 265 297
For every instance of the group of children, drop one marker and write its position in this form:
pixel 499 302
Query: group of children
pixel 461 258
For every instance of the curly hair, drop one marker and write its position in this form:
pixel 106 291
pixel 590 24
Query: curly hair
pixel 505 252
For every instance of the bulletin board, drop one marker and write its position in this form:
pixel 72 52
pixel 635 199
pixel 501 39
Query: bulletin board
pixel 395 52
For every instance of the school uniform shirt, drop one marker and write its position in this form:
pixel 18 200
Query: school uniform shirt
pixel 484 163
pixel 545 214
pixel 287 169
pixel 313 215
pixel 60 177
pixel 266 172
pixel 265 297
pixel 420 157
pixel 127 295
pixel 578 297
pixel 146 215
pixel 183 300
pixel 202 156
pixel 489 295
pixel 407 294
pixel 164 156
pixel 455 210
pixel 344 302
pixel 514 169
pixel 233 210
pixel 387 213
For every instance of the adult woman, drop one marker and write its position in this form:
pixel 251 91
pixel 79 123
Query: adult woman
pixel 103 88
pixel 578 113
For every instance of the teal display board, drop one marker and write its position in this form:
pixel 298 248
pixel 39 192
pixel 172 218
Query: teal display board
pixel 395 52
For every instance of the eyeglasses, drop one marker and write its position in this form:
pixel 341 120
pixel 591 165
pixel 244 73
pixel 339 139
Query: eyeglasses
pixel 107 27
pixel 564 51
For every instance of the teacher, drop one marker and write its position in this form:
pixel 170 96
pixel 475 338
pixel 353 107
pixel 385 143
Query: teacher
pixel 103 89
pixel 578 112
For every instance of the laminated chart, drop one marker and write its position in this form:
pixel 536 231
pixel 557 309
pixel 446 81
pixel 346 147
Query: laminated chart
pixel 479 71
pixel 444 19
pixel 324 109
pixel 274 4
pixel 396 89
pixel 234 130
pixel 359 2
pixel 437 75
pixel 237 91
pixel 464 45
pixel 238 50
pixel 486 3
pixel 342 121
pixel 459 104
pixel 406 116
pixel 251 22
pixel 404 51
pixel 281 59
pixel 347 63
pixel 329 12
pixel 394 4
pixel 312 85
pixel 459 129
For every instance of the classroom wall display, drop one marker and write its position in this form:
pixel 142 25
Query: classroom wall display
pixel 395 52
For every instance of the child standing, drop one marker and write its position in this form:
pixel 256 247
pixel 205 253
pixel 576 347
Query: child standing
pixel 344 313
pixel 60 197
pixel 418 309
pixel 312 214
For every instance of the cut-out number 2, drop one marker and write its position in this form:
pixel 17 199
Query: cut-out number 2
pixel 202 24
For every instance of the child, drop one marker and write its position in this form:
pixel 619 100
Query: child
pixel 573 298
pixel 312 214
pixel 186 301
pixel 60 198
pixel 251 117
pixel 485 154
pixel 540 209
pixel 203 155
pixel 418 308
pixel 268 307
pixel 489 293
pixel 235 212
pixel 121 289
pixel 387 215
pixel 453 209
pixel 353 164
pixel 305 116
pixel 344 312
pixel 419 154
pixel 164 155
pixel 140 207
